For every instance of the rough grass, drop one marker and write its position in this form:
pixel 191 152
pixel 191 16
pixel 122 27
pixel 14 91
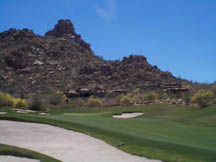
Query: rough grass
pixel 20 152
pixel 167 132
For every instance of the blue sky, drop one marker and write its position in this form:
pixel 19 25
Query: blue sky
pixel 176 35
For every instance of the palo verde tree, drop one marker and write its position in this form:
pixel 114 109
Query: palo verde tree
pixel 203 98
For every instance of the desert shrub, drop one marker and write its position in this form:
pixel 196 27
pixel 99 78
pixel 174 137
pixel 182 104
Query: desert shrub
pixel 136 99
pixel 94 102
pixel 203 98
pixel 214 89
pixel 126 100
pixel 173 95
pixel 214 92
pixel 137 96
pixel 150 96
pixel 118 99
pixel 6 99
pixel 36 104
pixel 110 95
pixel 186 98
pixel 160 95
pixel 136 92
pixel 20 103
pixel 78 102
pixel 55 99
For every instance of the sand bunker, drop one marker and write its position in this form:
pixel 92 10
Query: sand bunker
pixel 43 113
pixel 2 113
pixel 21 111
pixel 62 144
pixel 128 115
pixel 16 159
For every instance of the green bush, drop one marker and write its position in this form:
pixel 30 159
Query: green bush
pixel 126 100
pixel 150 96
pixel 94 102
pixel 36 104
pixel 203 98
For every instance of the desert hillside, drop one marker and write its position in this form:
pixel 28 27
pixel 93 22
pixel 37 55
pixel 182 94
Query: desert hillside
pixel 62 60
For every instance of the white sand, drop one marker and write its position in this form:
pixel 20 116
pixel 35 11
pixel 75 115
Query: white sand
pixel 21 111
pixel 16 159
pixel 2 113
pixel 128 115
pixel 62 144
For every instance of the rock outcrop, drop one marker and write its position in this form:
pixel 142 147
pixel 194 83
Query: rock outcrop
pixel 65 29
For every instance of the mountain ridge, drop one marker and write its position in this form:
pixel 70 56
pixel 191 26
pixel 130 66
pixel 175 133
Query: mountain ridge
pixel 62 60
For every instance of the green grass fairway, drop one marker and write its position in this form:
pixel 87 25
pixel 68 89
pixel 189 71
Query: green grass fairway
pixel 19 152
pixel 167 132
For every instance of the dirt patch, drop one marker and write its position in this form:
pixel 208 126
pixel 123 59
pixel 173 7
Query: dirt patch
pixel 128 115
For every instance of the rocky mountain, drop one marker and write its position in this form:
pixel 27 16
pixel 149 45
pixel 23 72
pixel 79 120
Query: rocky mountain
pixel 61 60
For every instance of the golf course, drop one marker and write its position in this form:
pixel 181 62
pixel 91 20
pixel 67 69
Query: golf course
pixel 165 132
pixel 107 81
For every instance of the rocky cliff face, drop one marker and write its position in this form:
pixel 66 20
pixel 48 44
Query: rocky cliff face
pixel 130 73
pixel 61 60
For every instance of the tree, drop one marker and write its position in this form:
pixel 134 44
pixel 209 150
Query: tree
pixel 203 98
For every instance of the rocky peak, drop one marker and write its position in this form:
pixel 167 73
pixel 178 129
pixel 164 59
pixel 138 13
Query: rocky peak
pixel 64 28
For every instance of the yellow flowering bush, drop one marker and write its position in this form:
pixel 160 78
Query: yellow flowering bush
pixel 94 102
pixel 8 100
